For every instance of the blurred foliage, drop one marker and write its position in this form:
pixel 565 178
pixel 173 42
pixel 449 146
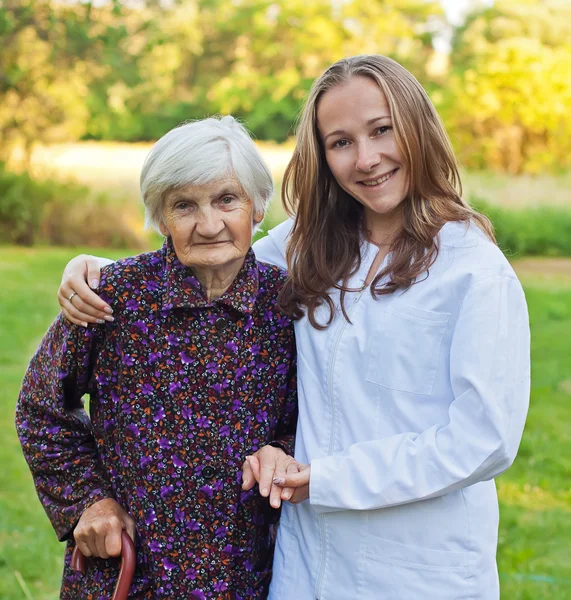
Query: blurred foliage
pixel 64 214
pixel 507 98
pixel 543 231
pixel 130 71
pixel 112 70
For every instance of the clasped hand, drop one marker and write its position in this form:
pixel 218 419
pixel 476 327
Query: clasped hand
pixel 279 476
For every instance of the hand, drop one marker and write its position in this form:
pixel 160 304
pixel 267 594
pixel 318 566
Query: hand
pixel 297 479
pixel 265 465
pixel 300 494
pixel 98 531
pixel 85 306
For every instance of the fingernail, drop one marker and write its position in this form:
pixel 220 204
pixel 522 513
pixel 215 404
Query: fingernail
pixel 100 321
pixel 278 480
pixel 264 491
pixel 94 283
pixel 286 495
pixel 108 318
pixel 108 310
pixel 84 324
pixel 275 503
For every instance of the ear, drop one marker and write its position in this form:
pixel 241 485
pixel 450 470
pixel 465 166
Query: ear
pixel 258 217
pixel 163 228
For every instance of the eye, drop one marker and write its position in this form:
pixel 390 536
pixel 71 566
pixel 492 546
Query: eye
pixel 182 205
pixel 382 130
pixel 227 200
pixel 341 144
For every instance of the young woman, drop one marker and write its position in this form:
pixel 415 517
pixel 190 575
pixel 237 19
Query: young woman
pixel 413 352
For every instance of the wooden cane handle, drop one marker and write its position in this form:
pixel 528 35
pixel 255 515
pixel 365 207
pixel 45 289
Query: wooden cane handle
pixel 78 562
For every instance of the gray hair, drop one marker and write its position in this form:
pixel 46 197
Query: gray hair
pixel 201 152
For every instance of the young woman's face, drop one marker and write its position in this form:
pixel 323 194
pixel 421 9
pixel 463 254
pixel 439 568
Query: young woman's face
pixel 356 129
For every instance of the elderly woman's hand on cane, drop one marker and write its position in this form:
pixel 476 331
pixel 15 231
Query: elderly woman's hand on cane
pixel 98 531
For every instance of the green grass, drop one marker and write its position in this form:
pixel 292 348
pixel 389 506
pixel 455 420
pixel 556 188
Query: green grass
pixel 535 535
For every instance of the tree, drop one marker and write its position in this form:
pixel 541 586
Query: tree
pixel 509 90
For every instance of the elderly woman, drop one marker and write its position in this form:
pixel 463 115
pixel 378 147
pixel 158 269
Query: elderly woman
pixel 195 372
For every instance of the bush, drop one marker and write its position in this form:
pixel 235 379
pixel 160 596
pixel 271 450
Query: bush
pixel 65 214
pixel 544 231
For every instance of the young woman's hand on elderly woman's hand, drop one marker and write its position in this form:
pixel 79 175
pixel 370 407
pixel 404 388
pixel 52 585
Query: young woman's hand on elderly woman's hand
pixel 98 531
pixel 78 302
pixel 265 466
pixel 300 494
pixel 297 480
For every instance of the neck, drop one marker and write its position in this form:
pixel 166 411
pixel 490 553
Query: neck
pixel 382 230
pixel 216 280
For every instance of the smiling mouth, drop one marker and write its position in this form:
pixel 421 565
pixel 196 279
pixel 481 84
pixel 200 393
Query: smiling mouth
pixel 380 180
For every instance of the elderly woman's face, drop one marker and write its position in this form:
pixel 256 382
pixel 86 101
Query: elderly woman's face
pixel 210 225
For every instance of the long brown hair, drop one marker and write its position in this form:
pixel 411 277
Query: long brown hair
pixel 323 251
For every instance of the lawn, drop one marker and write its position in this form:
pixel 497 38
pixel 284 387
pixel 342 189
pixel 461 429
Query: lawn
pixel 535 495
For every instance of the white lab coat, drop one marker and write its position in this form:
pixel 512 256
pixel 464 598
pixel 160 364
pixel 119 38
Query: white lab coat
pixel 406 415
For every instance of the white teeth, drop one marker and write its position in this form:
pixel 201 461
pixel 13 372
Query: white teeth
pixel 381 180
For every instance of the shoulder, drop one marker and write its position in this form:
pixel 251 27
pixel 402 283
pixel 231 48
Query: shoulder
pixel 272 247
pixel 467 251
pixel 131 276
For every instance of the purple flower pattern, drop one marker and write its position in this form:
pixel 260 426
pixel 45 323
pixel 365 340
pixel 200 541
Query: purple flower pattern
pixel 177 384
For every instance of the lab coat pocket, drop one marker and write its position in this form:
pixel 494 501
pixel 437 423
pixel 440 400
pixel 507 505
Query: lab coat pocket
pixel 405 351
pixel 396 571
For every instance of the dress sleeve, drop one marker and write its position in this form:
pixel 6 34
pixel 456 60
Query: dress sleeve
pixel 490 378
pixel 285 432
pixel 54 428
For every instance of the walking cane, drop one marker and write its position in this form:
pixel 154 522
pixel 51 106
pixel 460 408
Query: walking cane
pixel 127 566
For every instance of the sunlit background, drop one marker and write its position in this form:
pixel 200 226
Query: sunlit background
pixel 85 89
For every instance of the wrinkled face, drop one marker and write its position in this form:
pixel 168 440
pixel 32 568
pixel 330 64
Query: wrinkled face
pixel 356 129
pixel 210 225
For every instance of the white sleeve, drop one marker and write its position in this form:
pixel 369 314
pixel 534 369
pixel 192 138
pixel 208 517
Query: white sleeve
pixel 490 378
pixel 272 247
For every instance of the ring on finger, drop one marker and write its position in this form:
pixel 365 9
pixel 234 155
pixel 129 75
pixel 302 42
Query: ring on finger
pixel 71 296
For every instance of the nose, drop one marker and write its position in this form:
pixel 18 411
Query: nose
pixel 209 223
pixel 368 157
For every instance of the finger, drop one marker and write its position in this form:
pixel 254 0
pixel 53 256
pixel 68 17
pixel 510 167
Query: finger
pixel 85 549
pixel 300 494
pixel 71 313
pixel 113 541
pixel 87 310
pixel 93 272
pixel 275 496
pixel 287 492
pixel 255 466
pixel 81 543
pixel 248 479
pixel 296 479
pixel 73 320
pixel 99 543
pixel 131 528
pixel 267 470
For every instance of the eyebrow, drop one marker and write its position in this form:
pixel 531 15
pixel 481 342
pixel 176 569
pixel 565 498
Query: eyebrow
pixel 226 191
pixel 368 123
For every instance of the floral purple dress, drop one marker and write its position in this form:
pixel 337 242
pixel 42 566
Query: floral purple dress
pixel 181 390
